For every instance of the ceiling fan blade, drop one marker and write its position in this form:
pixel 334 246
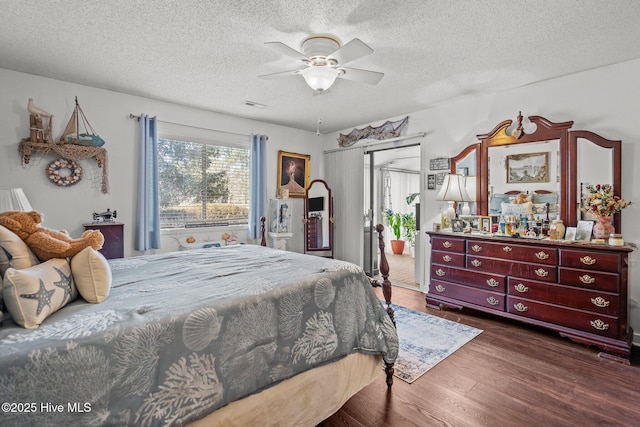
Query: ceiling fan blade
pixel 351 51
pixel 286 50
pixel 363 76
pixel 281 74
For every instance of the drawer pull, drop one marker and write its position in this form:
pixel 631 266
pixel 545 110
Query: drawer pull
pixel 599 325
pixel 521 288
pixel 440 272
pixel 587 260
pixel 446 258
pixel 476 248
pixel 476 263
pixel 447 244
pixel 492 282
pixel 493 301
pixel 520 307
pixel 542 255
pixel 600 302
pixel 541 272
pixel 440 288
pixel 507 249
pixel 586 279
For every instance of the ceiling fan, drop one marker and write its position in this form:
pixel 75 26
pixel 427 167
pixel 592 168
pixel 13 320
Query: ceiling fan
pixel 322 60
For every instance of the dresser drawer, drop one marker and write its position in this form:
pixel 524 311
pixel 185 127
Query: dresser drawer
pixel 488 281
pixel 590 279
pixel 471 295
pixel 590 260
pixel 447 244
pixel 539 255
pixel 598 302
pixel 447 258
pixel 595 323
pixel 544 272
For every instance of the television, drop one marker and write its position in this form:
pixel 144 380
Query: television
pixel 316 204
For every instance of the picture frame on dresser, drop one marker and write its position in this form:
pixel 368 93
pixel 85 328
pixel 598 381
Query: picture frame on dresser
pixel 570 234
pixel 457 225
pixel 583 231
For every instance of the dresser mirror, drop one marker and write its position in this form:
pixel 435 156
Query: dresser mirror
pixel 318 219
pixel 547 160
pixel 467 163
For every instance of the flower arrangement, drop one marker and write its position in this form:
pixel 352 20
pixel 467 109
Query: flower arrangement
pixel 600 201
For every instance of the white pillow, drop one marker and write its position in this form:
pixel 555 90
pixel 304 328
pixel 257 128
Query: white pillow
pixel 517 209
pixel 92 275
pixel 16 252
pixel 34 293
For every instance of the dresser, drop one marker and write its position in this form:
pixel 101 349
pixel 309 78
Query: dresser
pixel 113 233
pixel 314 232
pixel 579 290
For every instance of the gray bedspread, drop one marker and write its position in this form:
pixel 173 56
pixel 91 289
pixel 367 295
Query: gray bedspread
pixel 184 333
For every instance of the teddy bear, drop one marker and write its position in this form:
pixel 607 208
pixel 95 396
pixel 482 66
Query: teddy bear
pixel 520 198
pixel 45 243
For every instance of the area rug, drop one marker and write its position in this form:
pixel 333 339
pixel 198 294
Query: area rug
pixel 425 341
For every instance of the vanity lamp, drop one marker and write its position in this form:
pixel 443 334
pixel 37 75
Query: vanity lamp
pixel 452 191
pixel 470 187
pixel 14 199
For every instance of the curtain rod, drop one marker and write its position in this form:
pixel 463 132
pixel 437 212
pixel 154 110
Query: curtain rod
pixel 382 141
pixel 133 116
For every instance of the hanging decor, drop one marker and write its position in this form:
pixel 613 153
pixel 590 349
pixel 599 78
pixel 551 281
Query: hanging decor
pixel 64 173
pixel 387 130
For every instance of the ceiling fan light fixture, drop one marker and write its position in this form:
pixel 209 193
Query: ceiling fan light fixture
pixel 320 78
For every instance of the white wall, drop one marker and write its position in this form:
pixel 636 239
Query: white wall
pixel 604 101
pixel 108 113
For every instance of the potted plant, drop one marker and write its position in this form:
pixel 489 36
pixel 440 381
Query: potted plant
pixel 409 230
pixel 394 220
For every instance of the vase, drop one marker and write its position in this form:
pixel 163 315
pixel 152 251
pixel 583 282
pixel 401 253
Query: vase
pixel 397 246
pixel 603 227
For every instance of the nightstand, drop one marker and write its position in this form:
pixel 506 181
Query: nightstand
pixel 113 233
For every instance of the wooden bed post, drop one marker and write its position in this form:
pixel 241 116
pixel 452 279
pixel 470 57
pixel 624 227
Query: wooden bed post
pixel 263 242
pixel 386 291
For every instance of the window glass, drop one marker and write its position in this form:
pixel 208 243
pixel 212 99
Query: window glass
pixel 202 184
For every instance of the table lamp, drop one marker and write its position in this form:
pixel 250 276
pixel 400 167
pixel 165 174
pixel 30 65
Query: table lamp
pixel 14 199
pixel 452 191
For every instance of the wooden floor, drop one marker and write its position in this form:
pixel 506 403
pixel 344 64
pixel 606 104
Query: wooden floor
pixel 510 375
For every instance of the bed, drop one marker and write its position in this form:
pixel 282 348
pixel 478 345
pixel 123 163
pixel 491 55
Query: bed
pixel 214 336
pixel 542 204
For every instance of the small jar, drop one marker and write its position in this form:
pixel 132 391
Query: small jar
pixel 616 240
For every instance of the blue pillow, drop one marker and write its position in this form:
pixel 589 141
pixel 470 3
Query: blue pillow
pixel 495 204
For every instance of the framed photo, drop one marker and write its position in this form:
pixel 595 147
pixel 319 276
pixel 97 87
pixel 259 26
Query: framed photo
pixel 440 178
pixel 293 173
pixel 439 164
pixel 431 182
pixel 457 225
pixel 485 224
pixel 570 234
pixel 583 231
pixel 444 221
pixel 437 226
pixel 471 222
pixel 526 168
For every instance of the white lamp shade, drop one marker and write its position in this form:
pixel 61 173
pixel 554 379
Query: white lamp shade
pixel 453 189
pixel 320 77
pixel 14 199
pixel 470 183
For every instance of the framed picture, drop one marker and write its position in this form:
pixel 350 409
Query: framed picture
pixel 293 173
pixel 471 222
pixel 485 224
pixel 444 221
pixel 457 225
pixel 440 178
pixel 431 182
pixel 583 231
pixel 525 168
pixel 570 234
pixel 437 226
pixel 439 164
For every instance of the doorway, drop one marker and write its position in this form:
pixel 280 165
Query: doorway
pixel 391 175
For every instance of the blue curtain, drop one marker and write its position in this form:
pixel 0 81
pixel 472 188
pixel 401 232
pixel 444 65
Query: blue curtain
pixel 148 218
pixel 258 185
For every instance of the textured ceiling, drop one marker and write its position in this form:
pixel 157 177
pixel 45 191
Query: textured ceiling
pixel 208 54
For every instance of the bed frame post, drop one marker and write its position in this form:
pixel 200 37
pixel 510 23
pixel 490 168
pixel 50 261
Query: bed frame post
pixel 386 291
pixel 263 242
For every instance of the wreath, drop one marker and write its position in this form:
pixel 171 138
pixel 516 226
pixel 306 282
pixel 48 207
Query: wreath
pixel 64 172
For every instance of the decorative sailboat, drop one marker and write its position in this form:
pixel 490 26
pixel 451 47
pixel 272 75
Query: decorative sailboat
pixel 71 133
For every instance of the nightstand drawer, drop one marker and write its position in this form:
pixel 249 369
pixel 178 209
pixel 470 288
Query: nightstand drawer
pixel 113 233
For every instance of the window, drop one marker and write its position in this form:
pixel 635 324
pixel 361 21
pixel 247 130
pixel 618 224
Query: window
pixel 202 184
